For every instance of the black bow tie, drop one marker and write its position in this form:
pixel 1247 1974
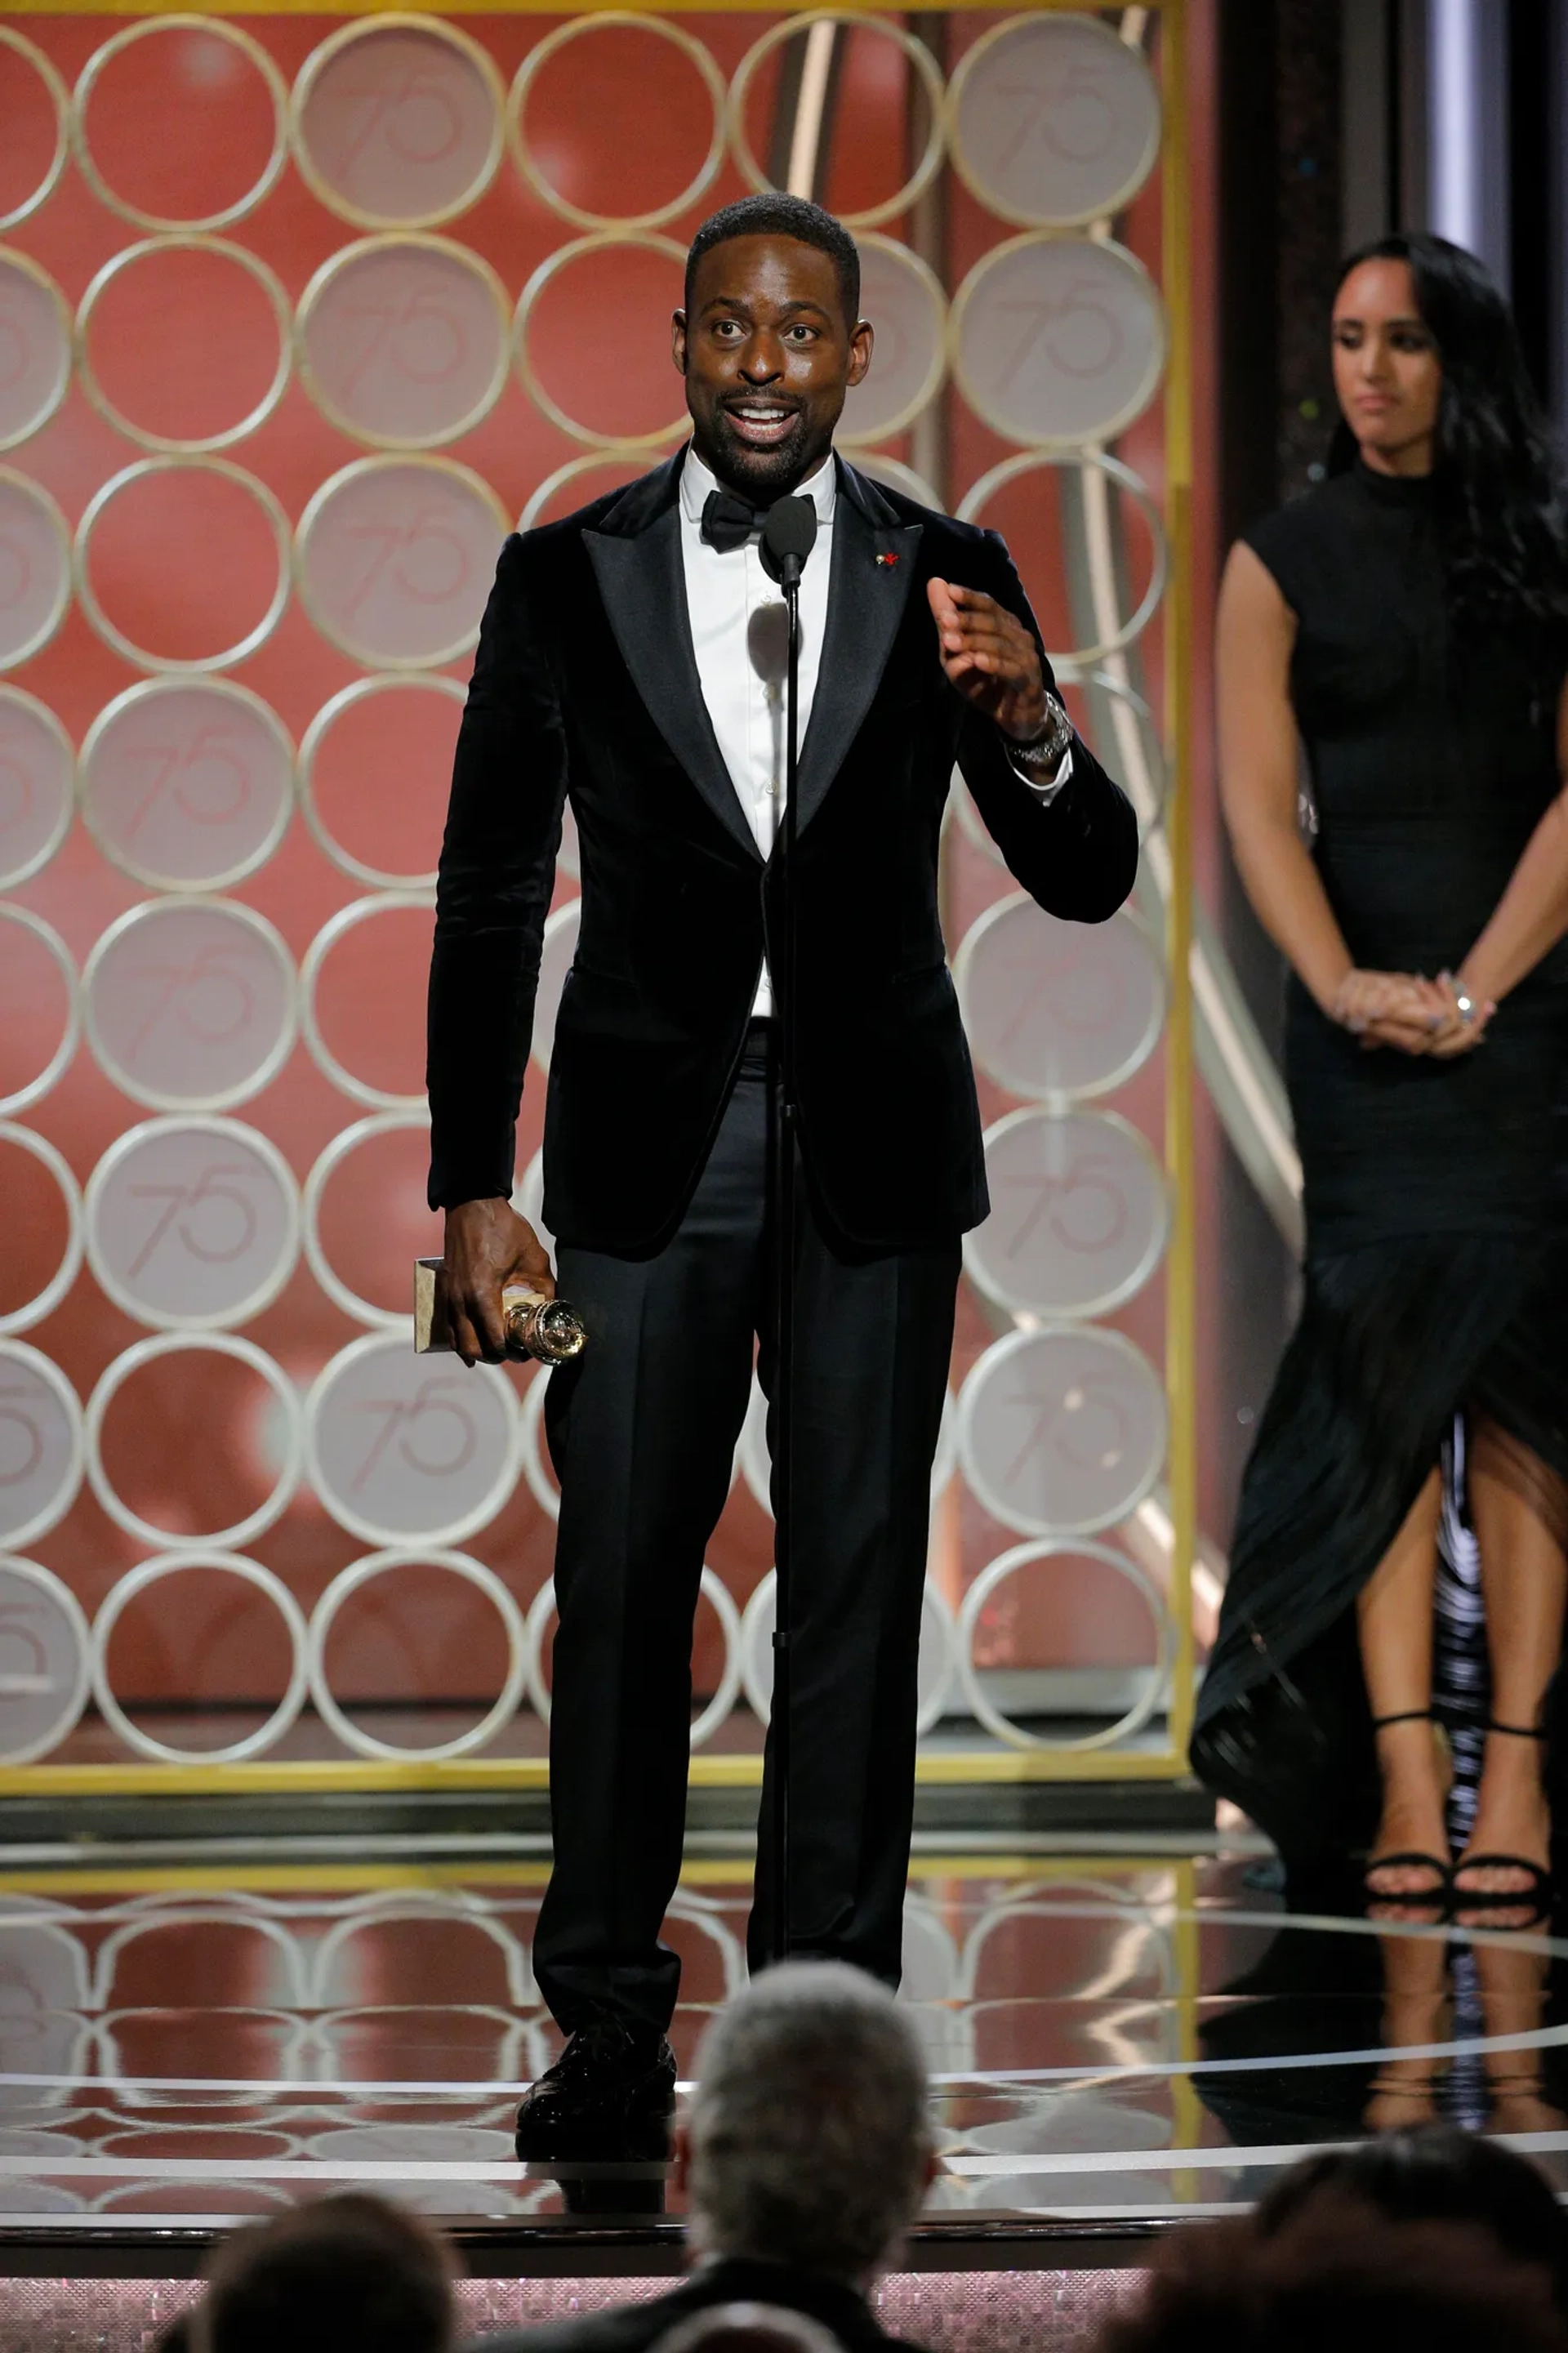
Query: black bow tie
pixel 729 521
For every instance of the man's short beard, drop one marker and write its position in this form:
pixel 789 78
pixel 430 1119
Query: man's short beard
pixel 757 469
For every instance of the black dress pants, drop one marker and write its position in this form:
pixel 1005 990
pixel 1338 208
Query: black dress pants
pixel 642 1430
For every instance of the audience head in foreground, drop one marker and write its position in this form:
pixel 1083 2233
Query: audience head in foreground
pixel 808 2142
pixel 342 2272
pixel 1339 2274
pixel 1436 2173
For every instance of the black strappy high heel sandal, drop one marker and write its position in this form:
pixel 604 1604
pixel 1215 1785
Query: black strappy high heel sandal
pixel 1536 1899
pixel 1409 1859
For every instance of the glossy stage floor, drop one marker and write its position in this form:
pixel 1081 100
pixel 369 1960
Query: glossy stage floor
pixel 1118 2041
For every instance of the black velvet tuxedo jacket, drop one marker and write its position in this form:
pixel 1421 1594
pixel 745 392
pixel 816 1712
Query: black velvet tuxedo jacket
pixel 585 685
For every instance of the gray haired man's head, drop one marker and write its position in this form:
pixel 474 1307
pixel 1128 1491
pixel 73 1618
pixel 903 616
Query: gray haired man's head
pixel 808 2139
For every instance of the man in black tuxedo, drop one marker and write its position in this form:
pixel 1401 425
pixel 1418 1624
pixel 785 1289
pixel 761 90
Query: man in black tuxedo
pixel 630 659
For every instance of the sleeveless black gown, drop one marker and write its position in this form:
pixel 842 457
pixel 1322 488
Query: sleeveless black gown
pixel 1435 1192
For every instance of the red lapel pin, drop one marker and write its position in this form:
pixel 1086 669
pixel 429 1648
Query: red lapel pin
pixel 887 559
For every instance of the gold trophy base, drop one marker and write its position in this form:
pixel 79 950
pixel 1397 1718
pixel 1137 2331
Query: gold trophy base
pixel 543 1331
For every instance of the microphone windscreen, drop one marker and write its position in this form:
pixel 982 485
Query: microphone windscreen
pixel 789 528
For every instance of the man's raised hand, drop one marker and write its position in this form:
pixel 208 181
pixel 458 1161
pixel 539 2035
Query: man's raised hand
pixel 989 657
pixel 488 1245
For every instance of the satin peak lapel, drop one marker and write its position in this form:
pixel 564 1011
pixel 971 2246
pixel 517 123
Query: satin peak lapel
pixel 643 589
pixel 873 568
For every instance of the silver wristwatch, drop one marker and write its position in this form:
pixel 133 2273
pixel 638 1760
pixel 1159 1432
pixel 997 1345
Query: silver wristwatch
pixel 1047 750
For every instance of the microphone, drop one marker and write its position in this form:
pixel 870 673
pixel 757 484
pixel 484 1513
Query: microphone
pixel 789 534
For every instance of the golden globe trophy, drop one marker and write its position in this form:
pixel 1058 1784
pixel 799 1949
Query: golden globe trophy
pixel 545 1330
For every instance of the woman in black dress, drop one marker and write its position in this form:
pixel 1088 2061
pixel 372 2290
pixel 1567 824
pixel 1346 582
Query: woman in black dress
pixel 1406 624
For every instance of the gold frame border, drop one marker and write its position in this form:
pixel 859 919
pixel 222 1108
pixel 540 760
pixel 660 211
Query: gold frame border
pixel 27 268
pixel 53 81
pixel 1181 1293
pixel 316 506
pixel 598 241
pixel 384 240
pixel 250 48
pixel 961 164
pixel 598 21
pixel 161 665
pixel 1108 428
pixel 936 375
pixel 925 65
pixel 11 479
pixel 186 241
pixel 371 22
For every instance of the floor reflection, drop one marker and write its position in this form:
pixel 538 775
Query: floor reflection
pixel 1108 2035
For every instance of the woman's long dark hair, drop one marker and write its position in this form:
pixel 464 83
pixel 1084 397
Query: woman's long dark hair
pixel 1501 510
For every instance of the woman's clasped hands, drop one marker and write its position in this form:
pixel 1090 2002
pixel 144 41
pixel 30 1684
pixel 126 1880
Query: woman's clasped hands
pixel 1440 1017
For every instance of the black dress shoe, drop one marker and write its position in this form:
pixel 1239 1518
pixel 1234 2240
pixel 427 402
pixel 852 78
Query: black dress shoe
pixel 609 2097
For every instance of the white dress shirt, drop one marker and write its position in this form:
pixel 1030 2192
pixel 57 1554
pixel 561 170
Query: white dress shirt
pixel 739 632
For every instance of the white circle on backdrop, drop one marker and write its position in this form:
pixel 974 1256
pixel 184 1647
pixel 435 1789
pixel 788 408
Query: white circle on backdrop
pixel 756 1464
pixel 712 1589
pixel 628 468
pixel 33 1310
pixel 1102 482
pixel 405 342
pixel 457 1564
pixel 847 22
pixel 190 1002
pixel 348 699
pixel 208 469
pixel 59 106
pixel 1079 1213
pixel 35 568
pixel 218 1344
pixel 184 76
pixel 1062 1431
pixel 38 785
pixel 347 1141
pixel 902 297
pixel 896 475
pixel 397 123
pixel 1053 120
pixel 43 1447
pixel 158 251
pixel 535 1453
pixel 187 783
pixel 937 1657
pixel 570 854
pixel 1059 340
pixel 35 348
pixel 192 1223
pixel 573 32
pixel 404 1449
pixel 528 1201
pixel 33 927
pixel 171 1564
pixel 1054 1011
pixel 670 261
pixel 1027 1555
pixel 349 919
pixel 44 1662
pixel 559 948
pixel 393 558
pixel 1142 766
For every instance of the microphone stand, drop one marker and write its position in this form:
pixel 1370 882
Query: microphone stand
pixel 789 530
pixel 782 1143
